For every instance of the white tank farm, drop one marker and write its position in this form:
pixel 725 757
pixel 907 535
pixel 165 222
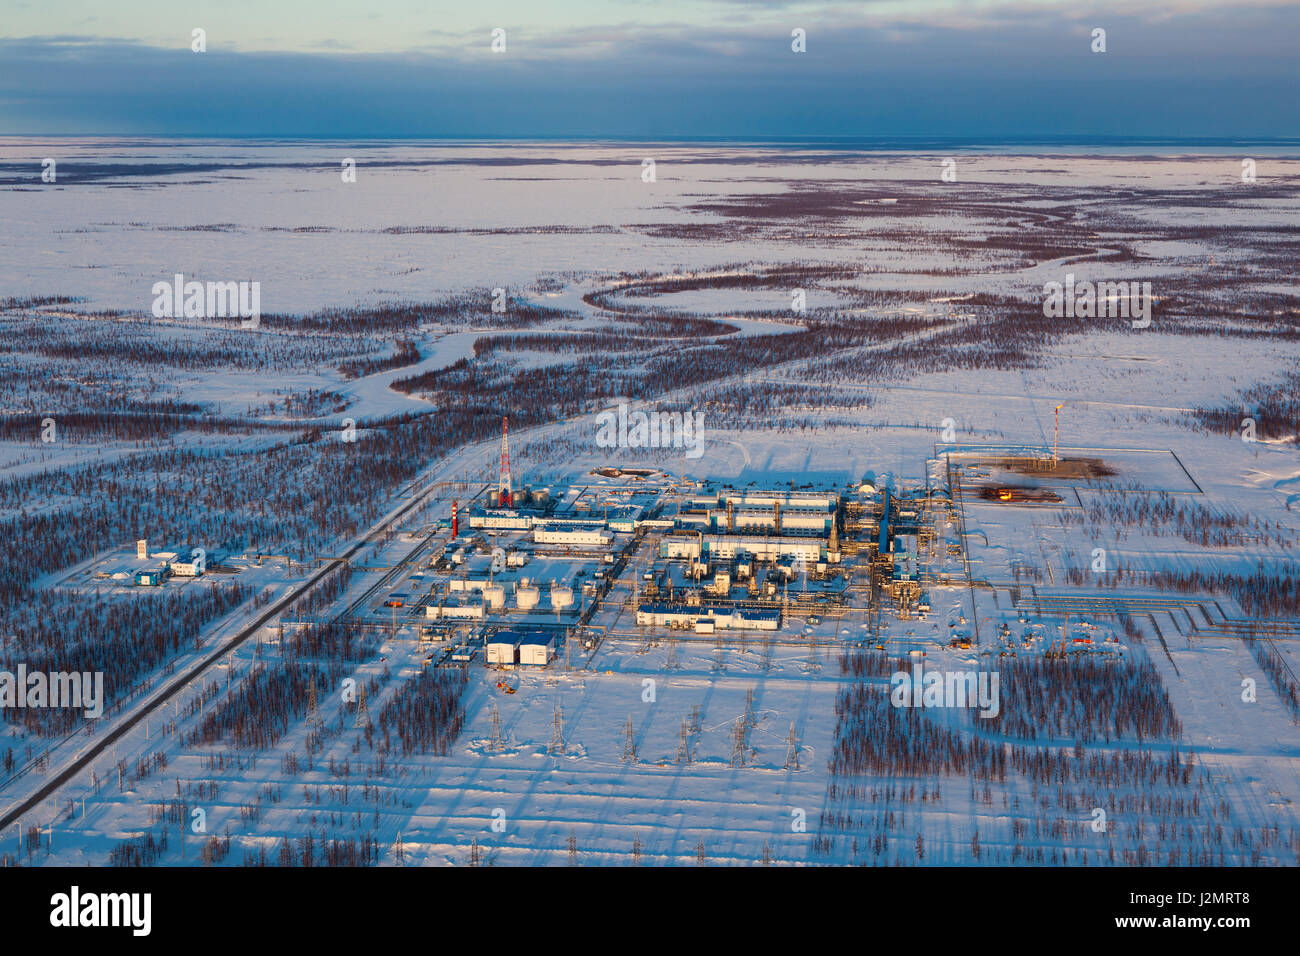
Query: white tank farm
pixel 561 597
pixel 527 595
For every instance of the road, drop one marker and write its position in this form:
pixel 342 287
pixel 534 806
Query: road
pixel 458 461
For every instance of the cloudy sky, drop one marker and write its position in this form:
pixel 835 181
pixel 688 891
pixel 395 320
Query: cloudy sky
pixel 977 70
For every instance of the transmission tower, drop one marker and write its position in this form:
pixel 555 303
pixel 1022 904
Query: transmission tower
pixel 363 716
pixel 636 850
pixel 738 745
pixel 573 848
pixel 314 721
pixel 792 751
pixel 557 732
pixel 629 742
pixel 695 719
pixel 495 745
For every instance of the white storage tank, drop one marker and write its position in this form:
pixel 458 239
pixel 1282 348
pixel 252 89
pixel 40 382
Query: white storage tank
pixel 494 596
pixel 527 596
pixel 561 597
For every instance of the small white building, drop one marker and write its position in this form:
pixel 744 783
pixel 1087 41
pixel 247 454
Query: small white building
pixel 455 607
pixel 536 650
pixel 502 647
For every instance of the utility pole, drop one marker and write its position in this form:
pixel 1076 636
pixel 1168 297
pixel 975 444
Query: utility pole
pixel 1056 433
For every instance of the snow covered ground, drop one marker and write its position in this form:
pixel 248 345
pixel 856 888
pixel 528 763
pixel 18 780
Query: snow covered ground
pixel 723 234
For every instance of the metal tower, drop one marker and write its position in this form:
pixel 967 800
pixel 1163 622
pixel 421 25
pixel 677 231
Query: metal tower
pixel 504 486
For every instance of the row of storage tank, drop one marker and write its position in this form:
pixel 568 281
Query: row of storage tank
pixel 527 596
pixel 525 498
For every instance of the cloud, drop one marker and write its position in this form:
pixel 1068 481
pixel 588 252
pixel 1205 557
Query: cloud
pixel 1206 74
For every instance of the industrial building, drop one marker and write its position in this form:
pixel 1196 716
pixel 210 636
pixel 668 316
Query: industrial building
pixel 456 606
pixel 187 569
pixel 572 534
pixel 500 519
pixel 785 498
pixel 528 647
pixel 536 649
pixel 721 616
pixel 502 647
pixel 805 549
pixel 694 546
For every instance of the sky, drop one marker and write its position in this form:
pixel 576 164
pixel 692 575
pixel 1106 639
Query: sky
pixel 875 70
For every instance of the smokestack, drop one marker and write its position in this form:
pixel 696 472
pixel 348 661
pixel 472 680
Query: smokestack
pixel 731 518
pixel 776 510
pixel 455 530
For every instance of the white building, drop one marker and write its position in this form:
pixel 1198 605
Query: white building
pixel 725 546
pixel 500 519
pixel 501 648
pixel 721 616
pixel 751 498
pixel 455 607
pixel 572 535
pixel 536 650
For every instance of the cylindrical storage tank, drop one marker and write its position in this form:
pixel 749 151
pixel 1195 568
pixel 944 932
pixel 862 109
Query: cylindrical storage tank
pixel 561 597
pixel 527 596
pixel 494 499
pixel 541 496
pixel 494 596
